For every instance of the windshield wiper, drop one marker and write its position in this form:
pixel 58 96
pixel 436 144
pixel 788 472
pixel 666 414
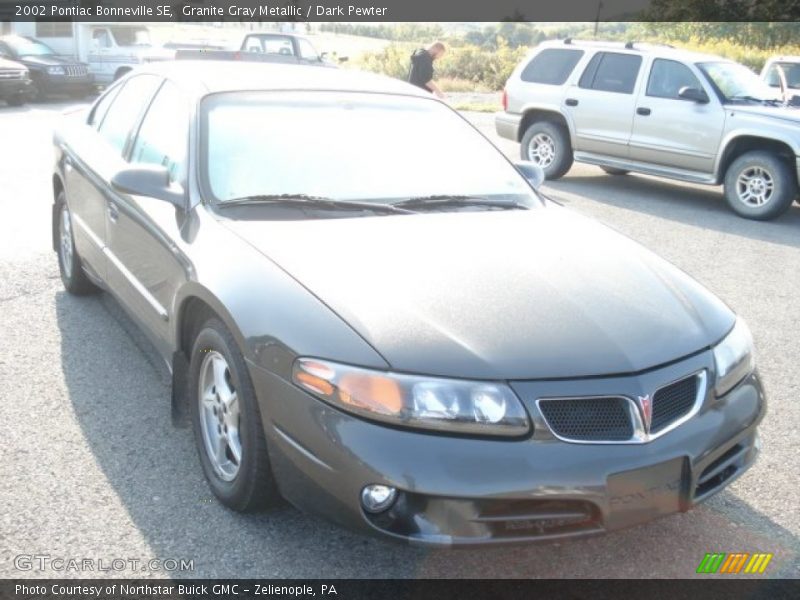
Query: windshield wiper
pixel 454 200
pixel 312 201
pixel 753 99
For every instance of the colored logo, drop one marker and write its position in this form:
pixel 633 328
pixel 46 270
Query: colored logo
pixel 735 563
pixel 646 404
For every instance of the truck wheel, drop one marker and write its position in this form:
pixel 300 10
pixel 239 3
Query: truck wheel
pixel 36 93
pixel 547 145
pixel 613 171
pixel 760 186
pixel 17 100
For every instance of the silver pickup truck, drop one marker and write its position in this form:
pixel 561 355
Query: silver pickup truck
pixel 656 110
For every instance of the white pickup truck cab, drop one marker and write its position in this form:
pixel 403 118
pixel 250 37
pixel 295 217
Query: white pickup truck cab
pixel 113 50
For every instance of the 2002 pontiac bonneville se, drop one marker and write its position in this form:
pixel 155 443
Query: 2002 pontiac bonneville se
pixel 368 310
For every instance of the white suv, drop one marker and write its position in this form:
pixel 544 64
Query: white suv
pixel 656 110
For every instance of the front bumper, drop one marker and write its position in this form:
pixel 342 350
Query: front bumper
pixel 65 84
pixel 10 88
pixel 458 491
pixel 507 125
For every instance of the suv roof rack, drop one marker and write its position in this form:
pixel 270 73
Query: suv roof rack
pixel 629 45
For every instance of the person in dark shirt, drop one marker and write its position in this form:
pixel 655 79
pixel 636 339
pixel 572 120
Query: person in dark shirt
pixel 421 72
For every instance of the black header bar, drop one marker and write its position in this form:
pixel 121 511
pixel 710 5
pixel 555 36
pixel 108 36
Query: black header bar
pixel 399 10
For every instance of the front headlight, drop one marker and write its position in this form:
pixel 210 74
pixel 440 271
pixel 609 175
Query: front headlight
pixel 55 70
pixel 483 408
pixel 733 357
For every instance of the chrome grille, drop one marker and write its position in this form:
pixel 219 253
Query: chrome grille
pixel 672 402
pixel 76 70
pixel 589 419
pixel 621 419
pixel 11 74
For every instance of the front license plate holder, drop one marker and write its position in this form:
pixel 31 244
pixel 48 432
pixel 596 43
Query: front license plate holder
pixel 644 494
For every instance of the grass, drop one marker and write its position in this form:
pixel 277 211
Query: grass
pixel 485 107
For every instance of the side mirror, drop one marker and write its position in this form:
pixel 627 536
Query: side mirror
pixel 344 59
pixel 151 181
pixel 532 172
pixel 693 94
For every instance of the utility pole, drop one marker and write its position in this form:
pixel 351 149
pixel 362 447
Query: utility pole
pixel 597 17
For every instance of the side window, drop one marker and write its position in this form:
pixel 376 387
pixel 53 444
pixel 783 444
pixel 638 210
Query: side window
pixel 163 136
pixel 307 50
pixel 611 72
pixel 102 106
pixel 100 38
pixel 667 77
pixel 253 44
pixel 125 110
pixel 551 66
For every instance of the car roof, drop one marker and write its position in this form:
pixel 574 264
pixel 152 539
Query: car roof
pixel 211 76
pixel 640 48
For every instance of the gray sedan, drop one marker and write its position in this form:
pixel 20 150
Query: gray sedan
pixel 369 311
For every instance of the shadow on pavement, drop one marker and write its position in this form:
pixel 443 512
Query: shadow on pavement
pixel 120 398
pixel 701 207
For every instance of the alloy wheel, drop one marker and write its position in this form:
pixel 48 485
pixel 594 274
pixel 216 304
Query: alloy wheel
pixel 542 150
pixel 754 186
pixel 220 416
pixel 65 240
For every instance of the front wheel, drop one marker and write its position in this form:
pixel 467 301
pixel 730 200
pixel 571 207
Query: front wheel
pixel 69 263
pixel 227 422
pixel 759 185
pixel 17 100
pixel 547 145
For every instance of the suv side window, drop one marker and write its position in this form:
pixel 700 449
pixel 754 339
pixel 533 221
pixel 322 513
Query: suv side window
pixel 125 110
pixel 307 51
pixel 611 72
pixel 163 136
pixel 551 66
pixel 667 77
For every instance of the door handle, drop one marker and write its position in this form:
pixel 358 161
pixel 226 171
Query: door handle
pixel 643 111
pixel 571 102
pixel 113 212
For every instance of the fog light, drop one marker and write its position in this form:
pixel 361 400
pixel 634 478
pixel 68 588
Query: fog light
pixel 376 498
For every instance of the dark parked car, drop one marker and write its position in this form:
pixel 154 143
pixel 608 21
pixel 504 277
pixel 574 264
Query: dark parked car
pixel 15 83
pixel 49 73
pixel 411 342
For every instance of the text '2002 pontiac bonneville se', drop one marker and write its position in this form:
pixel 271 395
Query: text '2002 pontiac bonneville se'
pixel 402 336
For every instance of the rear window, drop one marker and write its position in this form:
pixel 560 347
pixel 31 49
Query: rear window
pixel 611 72
pixel 551 66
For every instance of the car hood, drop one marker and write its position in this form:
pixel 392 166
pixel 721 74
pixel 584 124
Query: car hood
pixel 531 294
pixel 48 61
pixel 11 64
pixel 789 114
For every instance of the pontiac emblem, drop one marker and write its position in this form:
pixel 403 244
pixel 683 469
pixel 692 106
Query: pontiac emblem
pixel 646 405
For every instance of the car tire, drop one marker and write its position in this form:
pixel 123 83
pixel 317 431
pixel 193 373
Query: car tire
pixel 17 100
pixel 760 185
pixel 227 424
pixel 73 277
pixel 613 171
pixel 547 145
pixel 36 93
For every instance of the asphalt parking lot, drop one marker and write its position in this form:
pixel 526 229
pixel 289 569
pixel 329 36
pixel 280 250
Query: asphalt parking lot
pixel 92 468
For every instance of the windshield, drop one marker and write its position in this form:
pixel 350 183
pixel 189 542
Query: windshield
pixel 26 47
pixel 131 36
pixel 735 81
pixel 790 70
pixel 349 146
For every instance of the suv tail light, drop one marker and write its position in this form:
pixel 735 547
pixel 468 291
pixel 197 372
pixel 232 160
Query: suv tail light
pixel 505 99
